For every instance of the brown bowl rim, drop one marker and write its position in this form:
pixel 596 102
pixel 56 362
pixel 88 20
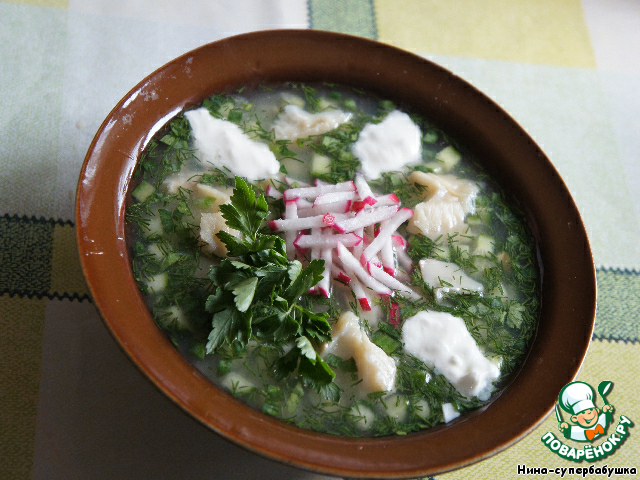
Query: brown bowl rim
pixel 568 273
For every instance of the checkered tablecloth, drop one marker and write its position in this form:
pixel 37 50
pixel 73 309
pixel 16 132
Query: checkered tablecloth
pixel 72 406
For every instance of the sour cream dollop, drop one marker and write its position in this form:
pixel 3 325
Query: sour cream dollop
pixel 443 342
pixel 224 144
pixel 389 145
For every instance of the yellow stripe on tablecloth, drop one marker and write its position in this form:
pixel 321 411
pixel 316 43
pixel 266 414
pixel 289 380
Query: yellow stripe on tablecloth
pixel 66 272
pixel 42 3
pixel 21 330
pixel 618 362
pixel 552 32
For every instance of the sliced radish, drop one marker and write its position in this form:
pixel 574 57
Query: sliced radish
pixel 387 258
pixel 358 249
pixel 303 223
pixel 386 231
pixel 404 260
pixel 313 192
pixel 399 241
pixel 364 190
pixel 383 277
pixel 303 203
pixel 394 314
pixel 290 213
pixel 325 283
pixel 339 275
pixel 333 197
pixel 389 199
pixel 327 241
pixel 350 262
pixel 313 210
pixel 358 291
pixel 273 192
pixel 365 218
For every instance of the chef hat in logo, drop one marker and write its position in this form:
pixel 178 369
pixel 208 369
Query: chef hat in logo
pixel 577 397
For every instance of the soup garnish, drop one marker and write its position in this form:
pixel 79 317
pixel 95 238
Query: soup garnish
pixel 358 275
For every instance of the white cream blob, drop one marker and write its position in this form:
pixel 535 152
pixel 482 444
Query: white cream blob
pixel 223 144
pixel 294 122
pixel 389 145
pixel 442 341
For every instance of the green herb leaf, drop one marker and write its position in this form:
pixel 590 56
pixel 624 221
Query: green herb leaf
pixel 245 213
pixel 244 292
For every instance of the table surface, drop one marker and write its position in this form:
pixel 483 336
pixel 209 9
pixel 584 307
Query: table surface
pixel 73 406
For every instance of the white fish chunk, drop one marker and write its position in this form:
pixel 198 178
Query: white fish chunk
pixel 376 368
pixel 447 202
pixel 294 122
pixel 210 225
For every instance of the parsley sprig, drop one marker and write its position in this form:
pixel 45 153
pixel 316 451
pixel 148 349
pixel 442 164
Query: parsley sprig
pixel 257 291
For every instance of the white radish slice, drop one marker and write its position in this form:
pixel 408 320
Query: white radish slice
pixel 313 192
pixel 361 295
pixel 359 248
pixel 386 231
pixel 304 223
pixel 290 213
pixel 339 275
pixel 327 241
pixel 358 290
pixel 387 258
pixel 399 241
pixel 323 285
pixel 302 203
pixel 383 277
pixel 315 251
pixel 310 211
pixel 365 218
pixel 404 260
pixel 333 197
pixel 364 190
pixel 273 192
pixel 350 262
pixel 389 199
pixel 360 204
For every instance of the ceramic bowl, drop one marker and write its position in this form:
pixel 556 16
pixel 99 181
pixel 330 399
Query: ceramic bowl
pixel 568 278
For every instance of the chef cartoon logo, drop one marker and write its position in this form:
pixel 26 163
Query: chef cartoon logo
pixel 586 422
pixel 581 419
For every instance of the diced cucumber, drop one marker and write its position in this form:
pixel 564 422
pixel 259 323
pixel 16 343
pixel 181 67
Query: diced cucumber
pixel 320 165
pixel 423 409
pixel 474 220
pixel 326 104
pixel 155 226
pixel 449 157
pixel 157 283
pixel 176 317
pixel 484 245
pixel 142 191
pixel 205 203
pixel 397 406
pixel 349 104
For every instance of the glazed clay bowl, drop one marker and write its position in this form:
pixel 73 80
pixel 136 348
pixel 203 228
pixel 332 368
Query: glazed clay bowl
pixel 568 280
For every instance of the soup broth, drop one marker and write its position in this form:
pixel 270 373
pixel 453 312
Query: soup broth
pixel 332 259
